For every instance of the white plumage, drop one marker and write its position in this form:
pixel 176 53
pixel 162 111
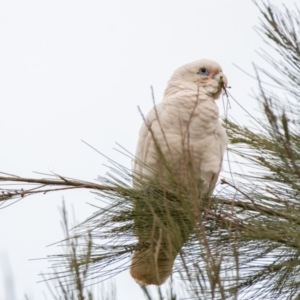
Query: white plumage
pixel 185 121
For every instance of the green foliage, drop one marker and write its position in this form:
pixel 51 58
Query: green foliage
pixel 69 281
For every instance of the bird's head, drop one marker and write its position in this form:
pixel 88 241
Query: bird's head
pixel 205 73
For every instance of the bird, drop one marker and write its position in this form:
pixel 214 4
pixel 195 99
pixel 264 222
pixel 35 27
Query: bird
pixel 185 124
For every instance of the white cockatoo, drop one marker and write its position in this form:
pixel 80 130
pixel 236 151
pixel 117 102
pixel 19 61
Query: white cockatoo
pixel 186 120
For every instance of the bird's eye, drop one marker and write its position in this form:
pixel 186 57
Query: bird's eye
pixel 203 71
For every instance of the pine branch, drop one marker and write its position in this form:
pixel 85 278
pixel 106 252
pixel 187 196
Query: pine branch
pixel 46 185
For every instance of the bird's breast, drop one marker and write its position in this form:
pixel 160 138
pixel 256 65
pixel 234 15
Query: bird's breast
pixel 189 119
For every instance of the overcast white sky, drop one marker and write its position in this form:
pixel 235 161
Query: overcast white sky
pixel 72 70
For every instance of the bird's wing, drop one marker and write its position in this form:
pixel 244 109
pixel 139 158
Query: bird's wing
pixel 222 141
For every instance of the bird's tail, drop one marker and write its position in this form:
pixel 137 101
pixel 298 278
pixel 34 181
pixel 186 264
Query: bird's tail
pixel 161 232
pixel 147 269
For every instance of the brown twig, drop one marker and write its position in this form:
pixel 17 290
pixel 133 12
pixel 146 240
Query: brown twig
pixel 61 183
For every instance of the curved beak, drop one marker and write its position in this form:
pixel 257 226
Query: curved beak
pixel 221 78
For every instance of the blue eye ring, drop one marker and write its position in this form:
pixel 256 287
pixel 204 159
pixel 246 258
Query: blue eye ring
pixel 203 71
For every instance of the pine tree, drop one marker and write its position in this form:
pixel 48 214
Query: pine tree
pixel 244 242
